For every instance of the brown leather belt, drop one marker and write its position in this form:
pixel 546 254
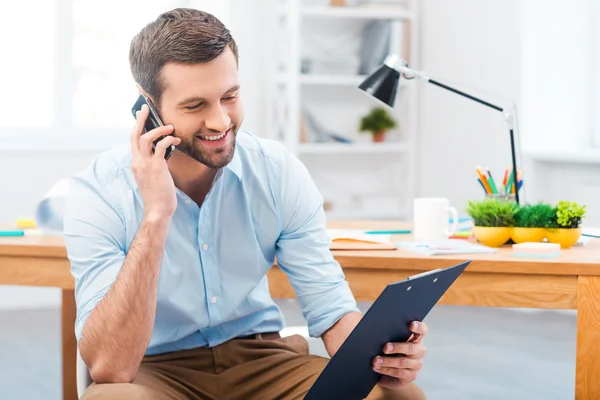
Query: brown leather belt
pixel 261 336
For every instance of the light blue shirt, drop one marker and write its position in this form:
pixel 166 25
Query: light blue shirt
pixel 212 285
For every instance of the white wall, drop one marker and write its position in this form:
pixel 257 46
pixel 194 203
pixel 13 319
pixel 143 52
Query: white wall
pixel 558 105
pixel 557 74
pixel 474 43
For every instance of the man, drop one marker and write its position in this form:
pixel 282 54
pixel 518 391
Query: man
pixel 170 257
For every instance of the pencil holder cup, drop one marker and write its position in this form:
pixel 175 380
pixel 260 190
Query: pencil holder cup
pixel 502 196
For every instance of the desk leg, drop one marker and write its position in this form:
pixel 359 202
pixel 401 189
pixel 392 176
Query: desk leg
pixel 69 346
pixel 587 375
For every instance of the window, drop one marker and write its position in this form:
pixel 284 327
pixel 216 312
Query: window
pixel 27 75
pixel 66 82
pixel 596 68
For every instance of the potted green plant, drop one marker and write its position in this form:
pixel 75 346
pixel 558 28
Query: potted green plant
pixel 492 219
pixel 565 225
pixel 377 122
pixel 530 222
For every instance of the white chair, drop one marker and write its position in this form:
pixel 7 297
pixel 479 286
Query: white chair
pixel 83 376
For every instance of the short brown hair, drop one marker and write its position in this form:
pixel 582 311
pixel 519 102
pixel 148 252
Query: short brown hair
pixel 183 35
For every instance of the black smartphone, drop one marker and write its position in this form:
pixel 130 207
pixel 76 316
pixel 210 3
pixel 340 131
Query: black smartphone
pixel 153 121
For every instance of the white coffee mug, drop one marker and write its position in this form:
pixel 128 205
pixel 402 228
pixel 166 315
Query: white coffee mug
pixel 430 218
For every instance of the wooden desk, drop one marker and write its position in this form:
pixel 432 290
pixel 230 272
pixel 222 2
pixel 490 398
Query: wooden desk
pixel 571 281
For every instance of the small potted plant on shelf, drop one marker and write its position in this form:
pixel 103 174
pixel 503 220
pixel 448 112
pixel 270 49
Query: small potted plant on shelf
pixel 377 122
pixel 530 222
pixel 565 225
pixel 492 219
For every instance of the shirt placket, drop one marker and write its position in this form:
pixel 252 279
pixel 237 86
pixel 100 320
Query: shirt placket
pixel 208 257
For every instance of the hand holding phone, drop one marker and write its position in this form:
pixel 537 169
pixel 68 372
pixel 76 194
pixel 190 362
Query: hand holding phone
pixel 150 169
pixel 153 121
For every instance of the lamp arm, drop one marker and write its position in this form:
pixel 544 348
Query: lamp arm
pixel 509 116
pixel 393 61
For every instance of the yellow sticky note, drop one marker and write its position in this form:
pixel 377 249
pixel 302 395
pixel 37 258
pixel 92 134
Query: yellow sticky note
pixel 24 223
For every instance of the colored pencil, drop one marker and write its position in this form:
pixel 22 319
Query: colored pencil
pixel 509 188
pixel 491 182
pixel 487 187
pixel 15 232
pixel 481 183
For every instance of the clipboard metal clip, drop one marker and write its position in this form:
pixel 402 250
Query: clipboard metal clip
pixel 433 271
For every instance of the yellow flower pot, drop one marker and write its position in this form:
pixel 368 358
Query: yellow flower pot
pixel 566 237
pixel 492 236
pixel 522 235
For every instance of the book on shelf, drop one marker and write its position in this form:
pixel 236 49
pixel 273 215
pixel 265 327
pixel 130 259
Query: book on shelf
pixel 312 131
pixel 374 46
pixel 395 4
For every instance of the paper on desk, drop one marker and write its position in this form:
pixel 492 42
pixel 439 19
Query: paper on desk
pixel 357 235
pixel 444 247
pixel 590 232
pixel 582 241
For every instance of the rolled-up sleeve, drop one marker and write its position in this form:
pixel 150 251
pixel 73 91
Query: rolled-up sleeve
pixel 94 236
pixel 303 251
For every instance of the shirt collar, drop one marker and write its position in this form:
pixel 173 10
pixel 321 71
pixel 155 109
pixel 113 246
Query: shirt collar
pixel 235 165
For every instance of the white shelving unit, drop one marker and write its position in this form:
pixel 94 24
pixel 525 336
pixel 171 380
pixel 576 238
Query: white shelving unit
pixel 352 148
pixel 357 12
pixel 293 87
pixel 330 80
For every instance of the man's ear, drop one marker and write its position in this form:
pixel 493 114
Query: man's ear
pixel 139 89
pixel 142 91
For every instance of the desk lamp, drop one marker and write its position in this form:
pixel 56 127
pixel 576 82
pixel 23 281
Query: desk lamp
pixel 383 85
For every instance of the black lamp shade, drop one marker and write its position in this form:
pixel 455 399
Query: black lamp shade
pixel 382 84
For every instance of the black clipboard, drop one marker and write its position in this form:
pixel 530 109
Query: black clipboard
pixel 349 374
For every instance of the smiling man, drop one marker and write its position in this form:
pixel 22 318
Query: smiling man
pixel 170 257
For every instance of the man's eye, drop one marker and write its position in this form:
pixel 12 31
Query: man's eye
pixel 195 106
pixel 230 98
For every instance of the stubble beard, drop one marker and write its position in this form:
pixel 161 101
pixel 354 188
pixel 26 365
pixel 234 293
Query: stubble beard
pixel 212 158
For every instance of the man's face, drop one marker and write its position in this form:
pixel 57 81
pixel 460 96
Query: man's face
pixel 202 102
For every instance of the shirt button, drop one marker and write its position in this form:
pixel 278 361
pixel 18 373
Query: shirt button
pixel 204 247
pixel 187 201
pixel 213 299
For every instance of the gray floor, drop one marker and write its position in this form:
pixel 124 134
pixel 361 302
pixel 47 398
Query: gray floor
pixel 473 353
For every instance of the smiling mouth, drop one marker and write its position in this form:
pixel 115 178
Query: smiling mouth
pixel 214 138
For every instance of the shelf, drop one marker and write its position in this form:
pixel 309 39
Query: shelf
pixel 325 79
pixel 349 80
pixel 358 12
pixel 332 80
pixel 352 148
pixel 587 156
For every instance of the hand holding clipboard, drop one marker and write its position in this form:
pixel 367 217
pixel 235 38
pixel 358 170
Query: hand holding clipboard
pixel 401 360
pixel 350 373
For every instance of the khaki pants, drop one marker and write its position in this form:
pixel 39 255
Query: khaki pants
pixel 243 369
